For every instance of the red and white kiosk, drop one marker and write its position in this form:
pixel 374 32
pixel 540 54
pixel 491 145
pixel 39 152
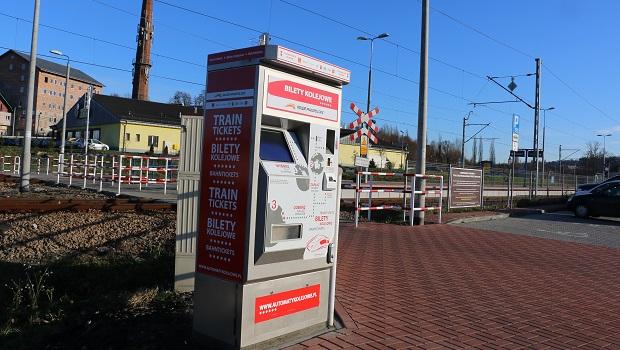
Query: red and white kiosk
pixel 269 195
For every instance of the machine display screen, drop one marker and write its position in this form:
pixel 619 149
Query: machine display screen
pixel 273 146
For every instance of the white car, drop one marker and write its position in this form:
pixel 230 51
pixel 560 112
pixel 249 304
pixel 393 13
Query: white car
pixel 93 144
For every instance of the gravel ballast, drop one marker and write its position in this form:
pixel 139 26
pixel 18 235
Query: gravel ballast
pixel 41 238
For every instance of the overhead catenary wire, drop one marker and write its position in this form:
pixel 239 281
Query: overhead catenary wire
pixel 247 28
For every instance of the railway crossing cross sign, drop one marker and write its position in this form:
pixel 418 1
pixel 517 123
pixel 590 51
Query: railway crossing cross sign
pixel 364 127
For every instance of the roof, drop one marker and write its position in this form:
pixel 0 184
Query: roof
pixel 59 69
pixel 145 111
pixel 6 102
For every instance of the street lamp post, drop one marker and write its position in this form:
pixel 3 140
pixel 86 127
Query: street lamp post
pixel 604 136
pixel 364 138
pixel 372 41
pixel 64 107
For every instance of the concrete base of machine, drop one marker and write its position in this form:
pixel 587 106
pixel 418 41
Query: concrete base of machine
pixel 280 342
pixel 226 314
pixel 184 272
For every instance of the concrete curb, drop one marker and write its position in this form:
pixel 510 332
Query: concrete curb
pixel 478 218
pixel 519 212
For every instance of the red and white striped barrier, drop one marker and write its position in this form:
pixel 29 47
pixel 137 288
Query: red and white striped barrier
pixel 407 191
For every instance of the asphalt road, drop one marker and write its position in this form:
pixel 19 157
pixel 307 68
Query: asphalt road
pixel 561 226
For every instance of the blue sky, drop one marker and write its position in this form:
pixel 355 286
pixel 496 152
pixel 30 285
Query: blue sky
pixel 576 40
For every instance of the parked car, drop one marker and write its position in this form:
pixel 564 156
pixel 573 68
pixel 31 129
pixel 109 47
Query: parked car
pixel 587 187
pixel 93 144
pixel 602 200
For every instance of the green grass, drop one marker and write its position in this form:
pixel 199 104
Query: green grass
pixel 84 301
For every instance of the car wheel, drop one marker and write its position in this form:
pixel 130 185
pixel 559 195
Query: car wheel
pixel 582 211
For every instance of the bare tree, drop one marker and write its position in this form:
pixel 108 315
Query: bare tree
pixel 199 100
pixel 492 152
pixel 181 98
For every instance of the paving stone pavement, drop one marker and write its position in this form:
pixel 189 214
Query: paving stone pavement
pixel 447 287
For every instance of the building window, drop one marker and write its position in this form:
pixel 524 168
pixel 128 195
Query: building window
pixel 46 80
pixel 72 86
pixel 23 66
pixel 79 87
pixel 127 137
pixel 96 134
pixel 10 66
pixel 69 134
pixel 21 89
pixel 44 91
pixel 71 97
pixel 138 137
pixel 22 78
pixel 153 141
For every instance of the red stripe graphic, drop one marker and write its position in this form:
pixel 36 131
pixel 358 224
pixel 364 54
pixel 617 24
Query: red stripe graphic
pixel 285 303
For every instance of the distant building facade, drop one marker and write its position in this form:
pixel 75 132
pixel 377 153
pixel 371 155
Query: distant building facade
pixel 383 155
pixel 129 125
pixel 49 89
pixel 6 116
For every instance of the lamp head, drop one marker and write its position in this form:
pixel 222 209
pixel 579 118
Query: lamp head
pixel 56 52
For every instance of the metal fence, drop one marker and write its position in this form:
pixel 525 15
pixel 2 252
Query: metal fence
pixel 121 172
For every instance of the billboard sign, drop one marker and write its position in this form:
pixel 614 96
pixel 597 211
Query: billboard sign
pixel 226 173
pixel 301 97
pixel 465 188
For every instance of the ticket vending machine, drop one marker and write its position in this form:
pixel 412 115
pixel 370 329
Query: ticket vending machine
pixel 269 196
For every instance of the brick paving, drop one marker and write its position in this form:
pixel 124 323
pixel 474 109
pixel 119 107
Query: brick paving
pixel 446 287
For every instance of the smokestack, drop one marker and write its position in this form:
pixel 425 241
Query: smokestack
pixel 142 64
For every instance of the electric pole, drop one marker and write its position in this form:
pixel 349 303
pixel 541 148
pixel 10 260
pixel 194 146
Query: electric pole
pixel 536 122
pixel 422 109
pixel 24 185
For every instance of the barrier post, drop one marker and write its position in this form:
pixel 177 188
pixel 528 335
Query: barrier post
pixel 113 169
pixel 404 194
pixel 85 169
pixel 440 197
pixel 357 197
pixel 140 178
pixel 59 170
pixel 71 171
pixel 412 200
pixel 101 173
pixel 120 172
pixel 369 181
pixel 47 166
pixel 95 169
pixel 38 166
pixel 166 177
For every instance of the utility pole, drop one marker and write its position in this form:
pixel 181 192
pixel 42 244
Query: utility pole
pixel 604 136
pixel 465 119
pixel 24 185
pixel 536 122
pixel 422 108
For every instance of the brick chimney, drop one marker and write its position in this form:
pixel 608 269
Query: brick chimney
pixel 142 64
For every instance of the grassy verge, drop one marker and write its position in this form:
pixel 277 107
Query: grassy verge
pixel 120 301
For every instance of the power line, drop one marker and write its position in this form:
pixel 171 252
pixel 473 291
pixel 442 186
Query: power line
pixel 579 95
pixel 109 67
pixel 386 40
pixel 474 29
pixel 163 24
pixel 102 40
pixel 545 66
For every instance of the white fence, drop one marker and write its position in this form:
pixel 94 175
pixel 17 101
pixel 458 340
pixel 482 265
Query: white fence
pixel 117 171
pixel 407 190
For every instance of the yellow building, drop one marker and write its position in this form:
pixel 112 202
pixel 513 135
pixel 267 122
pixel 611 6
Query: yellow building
pixel 129 125
pixel 381 154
